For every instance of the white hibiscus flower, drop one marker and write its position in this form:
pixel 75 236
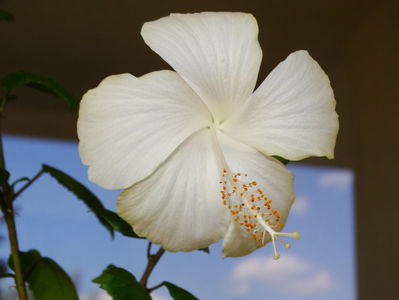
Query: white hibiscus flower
pixel 193 148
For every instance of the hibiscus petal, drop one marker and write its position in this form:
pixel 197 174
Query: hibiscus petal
pixel 271 176
pixel 292 114
pixel 179 206
pixel 238 242
pixel 127 126
pixel 218 54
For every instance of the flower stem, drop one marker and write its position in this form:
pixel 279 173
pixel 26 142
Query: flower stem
pixel 152 261
pixel 8 211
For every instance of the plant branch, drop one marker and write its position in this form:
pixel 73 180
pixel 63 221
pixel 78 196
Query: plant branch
pixel 149 250
pixel 27 184
pixel 12 235
pixel 8 211
pixel 152 261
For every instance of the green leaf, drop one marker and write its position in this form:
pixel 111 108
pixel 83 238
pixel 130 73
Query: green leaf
pixel 119 224
pixel 6 16
pixel 7 275
pixel 281 159
pixel 206 250
pixel 108 218
pixel 178 293
pixel 82 193
pixel 4 175
pixel 46 279
pixel 28 260
pixel 41 83
pixel 121 285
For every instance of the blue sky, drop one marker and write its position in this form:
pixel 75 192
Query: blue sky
pixel 318 266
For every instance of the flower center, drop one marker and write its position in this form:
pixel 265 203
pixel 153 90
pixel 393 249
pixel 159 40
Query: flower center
pixel 249 206
pixel 252 210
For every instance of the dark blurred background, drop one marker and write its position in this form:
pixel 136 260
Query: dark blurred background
pixel 356 43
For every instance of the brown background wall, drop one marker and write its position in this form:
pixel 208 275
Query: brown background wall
pixel 356 43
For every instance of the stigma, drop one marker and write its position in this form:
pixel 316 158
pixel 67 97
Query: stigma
pixel 252 210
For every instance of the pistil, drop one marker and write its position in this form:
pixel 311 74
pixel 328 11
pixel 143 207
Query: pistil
pixel 249 206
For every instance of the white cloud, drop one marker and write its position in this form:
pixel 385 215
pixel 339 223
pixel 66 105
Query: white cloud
pixel 156 296
pixel 315 284
pixel 267 267
pixel 301 206
pixel 101 295
pixel 338 179
pixel 290 275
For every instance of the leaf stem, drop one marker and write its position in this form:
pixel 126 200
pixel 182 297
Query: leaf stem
pixel 150 290
pixel 152 261
pixel 8 211
pixel 27 184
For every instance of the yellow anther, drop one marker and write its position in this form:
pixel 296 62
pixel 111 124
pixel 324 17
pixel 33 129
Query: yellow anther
pixel 260 221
